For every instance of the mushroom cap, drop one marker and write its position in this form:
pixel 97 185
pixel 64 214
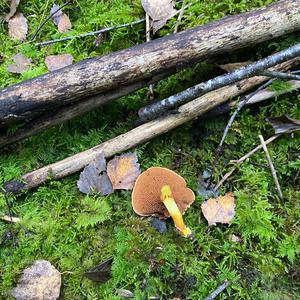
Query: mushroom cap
pixel 147 190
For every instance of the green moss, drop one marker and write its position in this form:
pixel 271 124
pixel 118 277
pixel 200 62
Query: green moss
pixel 75 232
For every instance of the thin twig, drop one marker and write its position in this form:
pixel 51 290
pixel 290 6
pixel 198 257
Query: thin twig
pixel 10 219
pixel 274 174
pixel 90 33
pixel 179 17
pixel 218 290
pixel 148 39
pixel 151 111
pixel 47 19
pixel 243 158
pixel 280 75
pixel 230 122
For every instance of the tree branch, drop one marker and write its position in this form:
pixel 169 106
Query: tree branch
pixel 155 109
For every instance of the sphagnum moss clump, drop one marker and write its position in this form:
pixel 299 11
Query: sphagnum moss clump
pixel 75 232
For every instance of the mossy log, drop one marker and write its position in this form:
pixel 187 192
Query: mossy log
pixel 142 62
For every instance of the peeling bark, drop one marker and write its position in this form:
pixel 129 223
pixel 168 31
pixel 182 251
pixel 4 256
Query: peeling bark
pixel 101 74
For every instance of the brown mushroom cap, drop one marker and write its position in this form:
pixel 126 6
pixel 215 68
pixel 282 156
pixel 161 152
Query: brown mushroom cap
pixel 147 190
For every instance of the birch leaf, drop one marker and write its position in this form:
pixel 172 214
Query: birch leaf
pixel 94 178
pixel 22 63
pixel 160 11
pixel 64 24
pixel 55 62
pixel 284 124
pixel 219 210
pixel 17 27
pixel 123 171
pixel 13 9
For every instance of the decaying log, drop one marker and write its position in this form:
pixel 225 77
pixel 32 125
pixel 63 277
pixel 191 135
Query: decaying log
pixel 67 113
pixel 101 74
pixel 133 137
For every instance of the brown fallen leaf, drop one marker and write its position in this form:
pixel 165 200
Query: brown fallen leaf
pixel 284 124
pixel 22 63
pixel 94 178
pixel 234 66
pixel 55 62
pixel 160 11
pixel 123 171
pixel 13 9
pixel 17 27
pixel 219 210
pixel 56 13
pixel 64 24
pixel 101 272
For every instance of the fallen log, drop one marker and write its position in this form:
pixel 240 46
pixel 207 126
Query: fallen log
pixel 67 113
pixel 98 75
pixel 134 137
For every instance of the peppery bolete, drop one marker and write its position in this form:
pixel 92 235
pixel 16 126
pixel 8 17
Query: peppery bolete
pixel 162 193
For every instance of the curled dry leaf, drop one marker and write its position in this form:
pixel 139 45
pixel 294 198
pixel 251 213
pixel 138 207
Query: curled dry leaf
pixel 55 62
pixel 160 11
pixel 219 210
pixel 101 272
pixel 123 171
pixel 234 66
pixel 64 24
pixel 284 124
pixel 22 63
pixel 17 27
pixel 13 9
pixel 55 13
pixel 94 178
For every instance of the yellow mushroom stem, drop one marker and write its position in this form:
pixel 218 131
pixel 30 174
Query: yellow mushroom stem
pixel 170 204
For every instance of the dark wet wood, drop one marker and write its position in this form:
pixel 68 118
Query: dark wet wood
pixel 142 62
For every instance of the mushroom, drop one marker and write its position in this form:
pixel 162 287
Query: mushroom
pixel 162 193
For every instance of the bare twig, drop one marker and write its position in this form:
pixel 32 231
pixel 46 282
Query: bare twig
pixel 274 174
pixel 218 290
pixel 90 33
pixel 180 16
pixel 10 219
pixel 280 75
pixel 148 39
pixel 243 158
pixel 230 122
pixel 151 111
pixel 47 19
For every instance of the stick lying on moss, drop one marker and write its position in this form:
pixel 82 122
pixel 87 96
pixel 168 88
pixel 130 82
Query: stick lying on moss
pixel 67 113
pixel 134 137
pixel 98 75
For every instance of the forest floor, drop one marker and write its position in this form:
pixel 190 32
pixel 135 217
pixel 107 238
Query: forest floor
pixel 76 232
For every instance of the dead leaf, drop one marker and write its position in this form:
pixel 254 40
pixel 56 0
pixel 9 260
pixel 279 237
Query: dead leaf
pixel 235 238
pixel 219 210
pixel 17 27
pixel 22 63
pixel 13 9
pixel 55 62
pixel 94 178
pixel 64 24
pixel 234 66
pixel 160 11
pixel 56 13
pixel 284 124
pixel 40 281
pixel 102 272
pixel 99 40
pixel 123 171
pixel 125 293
